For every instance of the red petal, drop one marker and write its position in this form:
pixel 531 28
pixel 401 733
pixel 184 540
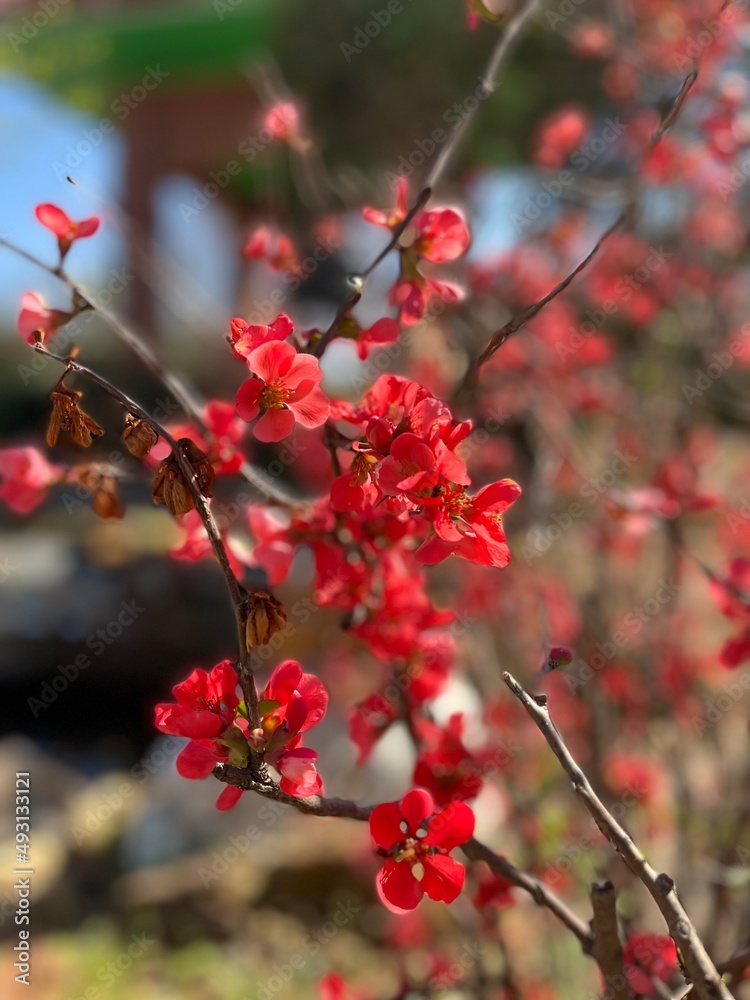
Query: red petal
pixel 87 227
pixel 312 411
pixel 443 877
pixel 397 887
pixel 272 360
pixel 248 399
pixel 451 827
pixel 385 825
pixel 228 798
pixel 54 219
pixel 416 806
pixel 274 425
pixel 198 758
pixel 497 497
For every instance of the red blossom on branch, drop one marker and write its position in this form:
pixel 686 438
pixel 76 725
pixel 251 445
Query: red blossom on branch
pixel 417 841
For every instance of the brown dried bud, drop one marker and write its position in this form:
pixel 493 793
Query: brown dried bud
pixel 103 487
pixel 68 416
pixel 266 616
pixel 170 486
pixel 139 436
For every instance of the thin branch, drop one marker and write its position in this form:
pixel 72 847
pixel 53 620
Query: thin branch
pixel 607 945
pixel 698 966
pixel 514 325
pixel 191 405
pixel 316 805
pixel 237 593
pixel 500 53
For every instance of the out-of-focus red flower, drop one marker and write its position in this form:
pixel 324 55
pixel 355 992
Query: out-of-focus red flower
pixel 66 231
pixel 648 957
pixel 444 766
pixel 559 134
pixel 368 720
pixel 36 316
pixel 731 593
pixel 285 386
pixel 272 246
pixel 25 478
pixel 282 121
pixel 417 841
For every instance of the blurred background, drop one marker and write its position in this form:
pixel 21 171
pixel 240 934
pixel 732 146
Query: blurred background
pixel 151 115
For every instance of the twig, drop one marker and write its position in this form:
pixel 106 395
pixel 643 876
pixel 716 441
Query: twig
pixel 317 805
pixel 237 593
pixel 607 945
pixel 514 325
pixel 698 966
pixel 189 403
pixel 501 51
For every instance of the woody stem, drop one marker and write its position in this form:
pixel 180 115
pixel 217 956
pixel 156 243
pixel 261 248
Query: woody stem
pixel 237 593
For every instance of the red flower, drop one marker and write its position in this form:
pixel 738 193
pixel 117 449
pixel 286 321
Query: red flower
pixel 648 957
pixel 470 527
pixel 245 337
pixel 732 596
pixel 291 703
pixel 286 387
pixel 397 829
pixel 25 477
pixel 440 234
pixel 368 720
pixel 282 121
pixel 66 231
pixel 206 704
pixel 561 133
pixel 272 246
pixel 35 315
pixel 445 766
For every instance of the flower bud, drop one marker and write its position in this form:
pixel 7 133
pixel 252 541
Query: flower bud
pixel 266 616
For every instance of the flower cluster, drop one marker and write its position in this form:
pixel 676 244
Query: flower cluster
pixel 437 235
pixel 209 712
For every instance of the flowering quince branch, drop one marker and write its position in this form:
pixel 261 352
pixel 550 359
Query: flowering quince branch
pixel 474 849
pixel 517 322
pixel 193 482
pixel 83 301
pixel 699 969
pixel 503 48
